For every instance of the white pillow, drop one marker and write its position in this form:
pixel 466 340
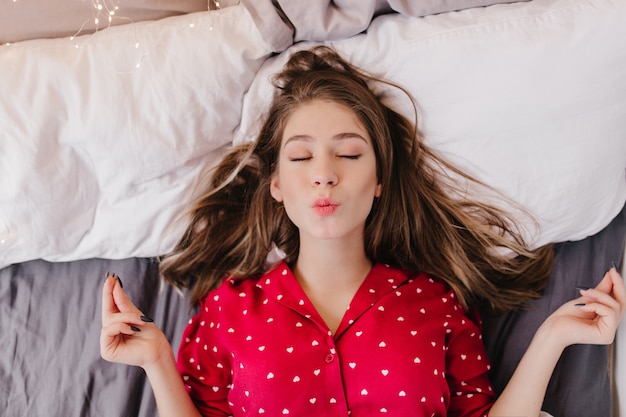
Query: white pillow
pixel 103 137
pixel 528 97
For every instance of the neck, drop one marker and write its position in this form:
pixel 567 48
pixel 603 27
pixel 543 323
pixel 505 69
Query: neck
pixel 330 273
pixel 331 263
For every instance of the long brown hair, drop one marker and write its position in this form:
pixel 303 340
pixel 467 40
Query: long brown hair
pixel 423 220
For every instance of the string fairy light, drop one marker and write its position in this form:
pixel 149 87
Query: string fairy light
pixel 106 11
pixel 101 9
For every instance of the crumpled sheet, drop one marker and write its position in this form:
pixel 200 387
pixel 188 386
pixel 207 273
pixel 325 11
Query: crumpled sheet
pixel 50 322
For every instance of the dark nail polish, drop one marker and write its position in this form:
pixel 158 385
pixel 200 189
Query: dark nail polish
pixel 581 288
pixel 146 319
pixel 119 280
pixel 107 274
pixel 135 329
pixel 580 304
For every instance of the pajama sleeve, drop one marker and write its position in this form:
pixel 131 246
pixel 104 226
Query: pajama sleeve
pixel 204 366
pixel 471 394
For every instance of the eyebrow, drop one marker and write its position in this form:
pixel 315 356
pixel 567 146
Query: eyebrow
pixel 339 136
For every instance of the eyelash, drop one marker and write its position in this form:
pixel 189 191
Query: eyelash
pixel 351 157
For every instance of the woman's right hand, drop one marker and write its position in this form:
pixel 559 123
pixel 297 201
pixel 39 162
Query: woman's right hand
pixel 125 337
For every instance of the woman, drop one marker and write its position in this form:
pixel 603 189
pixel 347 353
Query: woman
pixel 369 309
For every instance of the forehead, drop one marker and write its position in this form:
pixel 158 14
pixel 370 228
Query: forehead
pixel 322 118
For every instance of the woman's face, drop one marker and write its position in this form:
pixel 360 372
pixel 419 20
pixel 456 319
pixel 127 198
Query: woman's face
pixel 326 174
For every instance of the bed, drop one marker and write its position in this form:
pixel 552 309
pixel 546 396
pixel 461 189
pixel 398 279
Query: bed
pixel 111 114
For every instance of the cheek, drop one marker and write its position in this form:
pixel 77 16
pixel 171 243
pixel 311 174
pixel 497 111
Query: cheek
pixel 369 182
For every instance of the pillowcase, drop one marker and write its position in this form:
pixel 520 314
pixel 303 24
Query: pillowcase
pixel 529 98
pixel 24 20
pixel 283 22
pixel 104 137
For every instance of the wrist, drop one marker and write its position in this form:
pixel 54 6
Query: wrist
pixel 550 338
pixel 164 363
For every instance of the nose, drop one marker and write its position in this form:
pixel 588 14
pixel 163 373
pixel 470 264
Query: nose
pixel 324 172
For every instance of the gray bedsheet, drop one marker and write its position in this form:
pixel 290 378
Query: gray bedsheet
pixel 50 362
pixel 580 385
pixel 50 323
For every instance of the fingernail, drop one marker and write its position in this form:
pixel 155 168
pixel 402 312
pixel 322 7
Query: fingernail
pixel 580 304
pixel 146 319
pixel 613 264
pixel 135 329
pixel 119 280
pixel 107 274
pixel 581 288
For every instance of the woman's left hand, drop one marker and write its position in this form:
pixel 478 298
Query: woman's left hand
pixel 592 318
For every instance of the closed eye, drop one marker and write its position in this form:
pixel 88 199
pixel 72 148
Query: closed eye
pixel 300 159
pixel 350 156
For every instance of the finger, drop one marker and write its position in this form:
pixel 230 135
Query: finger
pixel 619 292
pixel 599 297
pixel 606 284
pixel 602 307
pixel 128 318
pixel 611 282
pixel 112 338
pixel 123 303
pixel 606 320
pixel 118 328
pixel 108 303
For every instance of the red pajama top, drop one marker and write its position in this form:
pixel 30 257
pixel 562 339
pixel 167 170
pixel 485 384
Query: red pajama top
pixel 405 347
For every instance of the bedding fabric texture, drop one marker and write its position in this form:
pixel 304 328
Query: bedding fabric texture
pixel 50 320
pixel 24 20
pixel 284 22
pixel 50 324
pixel 104 138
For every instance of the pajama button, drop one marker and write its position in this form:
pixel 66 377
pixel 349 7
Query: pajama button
pixel 329 357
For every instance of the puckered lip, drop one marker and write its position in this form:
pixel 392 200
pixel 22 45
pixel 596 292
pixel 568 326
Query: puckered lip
pixel 324 202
